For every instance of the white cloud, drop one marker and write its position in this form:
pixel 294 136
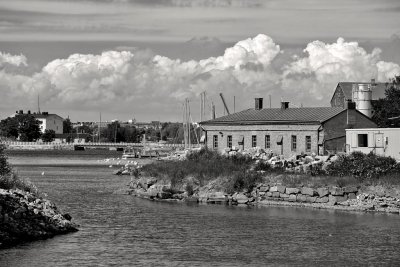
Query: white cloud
pixel 140 81
pixel 12 59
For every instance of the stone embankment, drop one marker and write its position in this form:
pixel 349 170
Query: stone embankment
pixel 24 217
pixel 342 198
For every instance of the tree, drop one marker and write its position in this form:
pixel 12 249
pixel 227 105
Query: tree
pixel 48 135
pixel 67 126
pixel 22 126
pixel 387 110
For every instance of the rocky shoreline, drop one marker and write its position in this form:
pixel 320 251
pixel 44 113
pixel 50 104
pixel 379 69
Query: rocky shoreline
pixel 25 217
pixel 349 198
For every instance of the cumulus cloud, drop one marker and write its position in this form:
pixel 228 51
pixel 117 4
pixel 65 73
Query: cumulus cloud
pixel 144 82
pixel 15 60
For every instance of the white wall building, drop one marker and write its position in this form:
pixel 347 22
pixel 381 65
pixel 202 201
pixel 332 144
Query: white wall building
pixel 50 122
pixel 381 141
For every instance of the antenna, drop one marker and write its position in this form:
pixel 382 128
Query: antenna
pixel 38 104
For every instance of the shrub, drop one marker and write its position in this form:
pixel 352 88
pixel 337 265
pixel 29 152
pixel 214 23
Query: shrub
pixel 12 181
pixel 363 166
pixel 5 168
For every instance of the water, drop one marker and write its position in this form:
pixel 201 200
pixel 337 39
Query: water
pixel 120 230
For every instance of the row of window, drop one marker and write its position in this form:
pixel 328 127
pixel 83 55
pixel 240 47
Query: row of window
pixel 267 142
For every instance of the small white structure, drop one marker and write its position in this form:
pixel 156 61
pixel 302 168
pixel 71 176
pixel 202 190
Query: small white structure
pixel 50 122
pixel 381 141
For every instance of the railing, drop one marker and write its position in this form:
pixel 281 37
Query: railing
pixel 16 143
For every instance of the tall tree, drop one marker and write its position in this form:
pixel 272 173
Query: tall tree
pixel 67 126
pixel 387 110
pixel 48 135
pixel 22 126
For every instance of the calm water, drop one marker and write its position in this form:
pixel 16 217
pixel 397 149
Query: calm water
pixel 120 230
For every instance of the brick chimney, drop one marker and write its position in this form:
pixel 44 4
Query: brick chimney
pixel 284 105
pixel 258 103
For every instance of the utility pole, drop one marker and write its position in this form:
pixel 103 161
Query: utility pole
pixel 100 128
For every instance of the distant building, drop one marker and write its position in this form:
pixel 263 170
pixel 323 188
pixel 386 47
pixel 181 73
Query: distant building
pixel 47 121
pixel 361 93
pixel 50 122
pixel 285 131
pixel 381 141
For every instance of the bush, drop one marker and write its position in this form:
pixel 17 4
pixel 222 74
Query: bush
pixel 363 166
pixel 243 180
pixel 5 168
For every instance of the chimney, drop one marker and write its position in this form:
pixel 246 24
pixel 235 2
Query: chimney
pixel 21 111
pixel 373 82
pixel 284 105
pixel 351 104
pixel 258 104
pixel 29 112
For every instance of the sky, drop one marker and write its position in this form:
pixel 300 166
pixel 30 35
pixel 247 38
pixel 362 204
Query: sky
pixel 140 59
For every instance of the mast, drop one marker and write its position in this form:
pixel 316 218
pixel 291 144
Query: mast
pixel 100 128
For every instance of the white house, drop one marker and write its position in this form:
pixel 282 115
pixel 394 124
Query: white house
pixel 382 141
pixel 50 122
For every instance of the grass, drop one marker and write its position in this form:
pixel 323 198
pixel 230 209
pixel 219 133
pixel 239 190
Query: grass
pixel 241 173
pixel 10 180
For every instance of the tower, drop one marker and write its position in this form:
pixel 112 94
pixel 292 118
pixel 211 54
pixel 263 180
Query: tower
pixel 362 96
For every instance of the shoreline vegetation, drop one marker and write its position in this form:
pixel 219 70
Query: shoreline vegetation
pixel 358 182
pixel 25 214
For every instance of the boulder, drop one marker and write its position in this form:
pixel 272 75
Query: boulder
pixel 336 191
pixel 281 188
pixel 268 194
pixel 301 198
pixel 292 198
pixel 273 189
pixel 310 199
pixel 275 194
pixel 350 189
pixel 337 199
pixel 217 197
pixel 292 190
pixel 240 198
pixel 192 199
pixel 323 191
pixel 322 199
pixel 307 191
pixel 264 188
pixel 351 196
pixel 283 195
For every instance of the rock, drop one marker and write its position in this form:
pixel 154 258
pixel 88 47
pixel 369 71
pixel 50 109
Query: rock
pixel 275 194
pixel 217 197
pixel 350 189
pixel 281 188
pixel 351 196
pixel 268 194
pixel 282 195
pixel 273 189
pixel 336 191
pixel 67 216
pixel 307 191
pixel 322 191
pixel 311 199
pixel 337 199
pixel 324 199
pixel 164 195
pixel 292 190
pixel 292 198
pixel 301 198
pixel 240 198
pixel 264 188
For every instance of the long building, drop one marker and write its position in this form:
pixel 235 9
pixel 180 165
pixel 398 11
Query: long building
pixel 285 131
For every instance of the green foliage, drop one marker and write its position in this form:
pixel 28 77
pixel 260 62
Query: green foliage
pixel 363 166
pixel 48 135
pixel 385 110
pixel 9 180
pixel 205 165
pixel 67 126
pixel 22 126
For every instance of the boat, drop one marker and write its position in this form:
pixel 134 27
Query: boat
pixel 130 153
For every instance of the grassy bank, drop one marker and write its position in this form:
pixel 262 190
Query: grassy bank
pixel 242 173
pixel 10 180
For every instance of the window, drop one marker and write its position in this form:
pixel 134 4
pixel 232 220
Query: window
pixel 308 143
pixel 253 140
pixel 267 141
pixel 363 140
pixel 215 141
pixel 229 141
pixel 294 143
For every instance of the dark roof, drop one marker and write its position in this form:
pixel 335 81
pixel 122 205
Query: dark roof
pixel 378 91
pixel 278 115
pixel 44 116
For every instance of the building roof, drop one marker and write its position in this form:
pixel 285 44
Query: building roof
pixel 315 115
pixel 45 116
pixel 378 91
